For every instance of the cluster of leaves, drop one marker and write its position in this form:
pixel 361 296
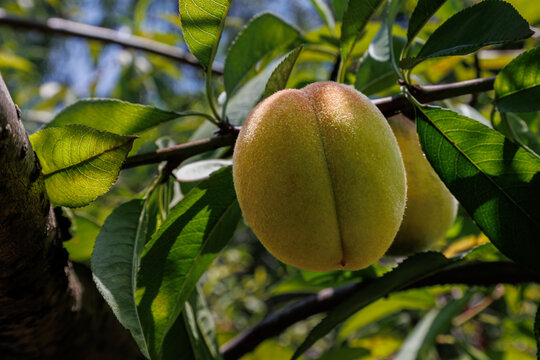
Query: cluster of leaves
pixel 152 251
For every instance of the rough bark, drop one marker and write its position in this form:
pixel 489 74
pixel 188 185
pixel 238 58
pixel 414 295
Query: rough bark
pixel 48 310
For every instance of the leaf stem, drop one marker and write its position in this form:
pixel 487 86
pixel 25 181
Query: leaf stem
pixel 210 96
pixel 152 187
pixel 342 70
pixel 197 113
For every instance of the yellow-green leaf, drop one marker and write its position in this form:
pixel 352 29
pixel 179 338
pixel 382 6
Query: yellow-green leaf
pixel 486 23
pixel 202 22
pixel 79 163
pixel 113 115
pixel 260 37
pixel 176 256
pixel 517 86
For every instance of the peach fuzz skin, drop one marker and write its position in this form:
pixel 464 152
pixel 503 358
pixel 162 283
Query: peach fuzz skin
pixel 431 208
pixel 320 178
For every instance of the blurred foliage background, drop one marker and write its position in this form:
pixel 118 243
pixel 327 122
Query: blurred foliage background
pixel 45 73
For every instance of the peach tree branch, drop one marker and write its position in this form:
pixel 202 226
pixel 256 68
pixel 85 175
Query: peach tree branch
pixel 108 36
pixel 472 274
pixel 389 106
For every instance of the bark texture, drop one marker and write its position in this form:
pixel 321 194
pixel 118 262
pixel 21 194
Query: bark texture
pixel 49 308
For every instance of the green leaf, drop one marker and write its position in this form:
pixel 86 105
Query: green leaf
pixel 178 341
pixel 423 11
pixel 115 262
pixel 324 11
pixel 191 237
pixel 537 331
pixel 249 95
pixel 139 15
pixel 355 20
pixel 434 323
pixel 345 353
pixel 520 132
pixel 12 61
pixel 486 23
pixel 339 7
pixel 484 252
pixel 373 76
pixel 261 36
pixel 269 350
pixel 517 86
pixel 79 163
pixel 375 72
pixel 80 246
pixel 495 180
pixel 112 115
pixel 280 75
pixel 416 299
pixel 412 269
pixel 201 328
pixel 202 23
pixel 391 14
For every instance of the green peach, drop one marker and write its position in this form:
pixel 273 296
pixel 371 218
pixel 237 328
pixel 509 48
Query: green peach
pixel 431 208
pixel 320 178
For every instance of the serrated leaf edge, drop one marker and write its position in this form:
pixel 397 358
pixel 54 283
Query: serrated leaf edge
pixel 471 161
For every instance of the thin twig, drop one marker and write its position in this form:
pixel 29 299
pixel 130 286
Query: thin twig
pixel 394 104
pixel 70 28
pixel 183 151
pixel 473 274
pixel 388 106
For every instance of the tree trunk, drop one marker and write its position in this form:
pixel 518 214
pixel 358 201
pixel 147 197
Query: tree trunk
pixel 49 308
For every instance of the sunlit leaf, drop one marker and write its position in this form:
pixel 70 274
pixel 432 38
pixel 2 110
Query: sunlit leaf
pixel 472 29
pixel 12 61
pixel 80 246
pixel 261 36
pixel 113 115
pixel 495 180
pixel 484 252
pixel 269 350
pixel 407 300
pixel 79 163
pixel 115 262
pixel 202 23
pixel 517 86
pixel 191 237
